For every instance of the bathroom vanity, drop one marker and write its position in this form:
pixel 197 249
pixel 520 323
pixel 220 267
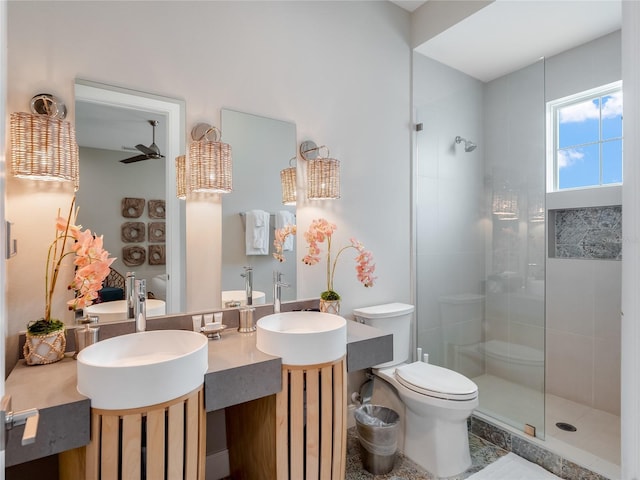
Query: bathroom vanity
pixel 238 373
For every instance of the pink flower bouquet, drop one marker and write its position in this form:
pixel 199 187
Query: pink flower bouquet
pixel 320 231
pixel 92 264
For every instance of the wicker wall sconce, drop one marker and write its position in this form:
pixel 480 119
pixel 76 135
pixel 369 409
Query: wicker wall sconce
pixel 323 173
pixel 209 165
pixel 288 181
pixel 504 203
pixel 43 144
pixel 181 177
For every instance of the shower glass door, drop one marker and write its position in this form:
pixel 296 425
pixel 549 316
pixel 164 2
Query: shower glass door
pixel 480 233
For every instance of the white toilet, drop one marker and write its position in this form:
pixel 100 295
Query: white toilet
pixel 437 401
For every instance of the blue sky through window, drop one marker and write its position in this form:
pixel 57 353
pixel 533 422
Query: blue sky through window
pixel 589 142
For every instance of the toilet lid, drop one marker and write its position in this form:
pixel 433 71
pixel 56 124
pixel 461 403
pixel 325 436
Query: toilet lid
pixel 436 381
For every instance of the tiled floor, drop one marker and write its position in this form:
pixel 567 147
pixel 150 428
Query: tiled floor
pixel 595 444
pixel 482 454
pixel 597 435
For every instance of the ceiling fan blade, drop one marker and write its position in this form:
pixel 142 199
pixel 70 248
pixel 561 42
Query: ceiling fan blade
pixel 137 158
pixel 144 149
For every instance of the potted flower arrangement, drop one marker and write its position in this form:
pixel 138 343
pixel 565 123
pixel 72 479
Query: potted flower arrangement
pixel 45 339
pixel 320 231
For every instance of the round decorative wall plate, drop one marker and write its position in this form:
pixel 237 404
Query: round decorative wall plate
pixel 157 209
pixel 157 255
pixel 157 233
pixel 133 255
pixel 132 232
pixel 132 207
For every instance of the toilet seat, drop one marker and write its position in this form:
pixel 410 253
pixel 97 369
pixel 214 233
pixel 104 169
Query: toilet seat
pixel 435 381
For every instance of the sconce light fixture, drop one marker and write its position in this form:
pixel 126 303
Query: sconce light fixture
pixel 288 181
pixel 209 165
pixel 181 177
pixel 43 144
pixel 505 204
pixel 323 173
pixel 536 211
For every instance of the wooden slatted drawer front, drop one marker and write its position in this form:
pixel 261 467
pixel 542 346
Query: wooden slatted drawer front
pixel 161 442
pixel 311 422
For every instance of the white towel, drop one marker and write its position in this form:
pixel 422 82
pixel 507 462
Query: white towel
pixel 513 467
pixel 257 232
pixel 284 218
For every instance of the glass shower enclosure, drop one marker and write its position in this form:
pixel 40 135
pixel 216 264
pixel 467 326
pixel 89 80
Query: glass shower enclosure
pixel 479 180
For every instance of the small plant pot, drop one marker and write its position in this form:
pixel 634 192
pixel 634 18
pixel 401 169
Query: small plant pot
pixel 330 306
pixel 44 349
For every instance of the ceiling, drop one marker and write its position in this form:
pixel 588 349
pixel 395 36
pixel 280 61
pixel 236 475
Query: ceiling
pixel 409 5
pixel 500 38
pixel 510 34
pixel 116 128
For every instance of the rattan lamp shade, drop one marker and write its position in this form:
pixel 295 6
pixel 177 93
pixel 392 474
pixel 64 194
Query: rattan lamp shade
pixel 288 180
pixel 210 168
pixel 323 179
pixel 505 204
pixel 181 177
pixel 43 148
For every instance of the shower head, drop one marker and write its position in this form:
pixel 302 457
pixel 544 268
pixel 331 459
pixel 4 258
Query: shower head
pixel 469 146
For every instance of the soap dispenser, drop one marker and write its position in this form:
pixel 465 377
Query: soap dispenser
pixel 88 335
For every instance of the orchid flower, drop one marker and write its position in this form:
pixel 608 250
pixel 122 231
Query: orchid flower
pixel 281 235
pixel 92 261
pixel 321 230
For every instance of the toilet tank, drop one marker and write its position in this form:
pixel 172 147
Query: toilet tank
pixel 394 318
pixel 462 307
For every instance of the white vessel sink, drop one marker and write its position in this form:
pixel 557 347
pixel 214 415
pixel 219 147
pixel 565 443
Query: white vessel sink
pixel 257 297
pixel 117 310
pixel 302 338
pixel 142 369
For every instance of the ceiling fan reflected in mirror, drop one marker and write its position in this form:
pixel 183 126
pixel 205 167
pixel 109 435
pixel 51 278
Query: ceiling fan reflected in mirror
pixel 148 153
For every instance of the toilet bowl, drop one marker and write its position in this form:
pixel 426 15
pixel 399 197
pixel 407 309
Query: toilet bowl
pixel 434 402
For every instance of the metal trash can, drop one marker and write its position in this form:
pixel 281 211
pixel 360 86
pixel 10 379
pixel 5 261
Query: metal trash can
pixel 377 428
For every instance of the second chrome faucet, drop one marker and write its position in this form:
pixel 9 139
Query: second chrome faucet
pixel 248 284
pixel 277 290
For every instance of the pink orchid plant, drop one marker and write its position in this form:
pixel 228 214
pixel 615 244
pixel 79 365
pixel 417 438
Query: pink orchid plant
pixel 92 264
pixel 281 235
pixel 321 230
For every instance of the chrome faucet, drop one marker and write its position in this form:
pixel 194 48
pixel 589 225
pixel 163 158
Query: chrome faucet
pixel 277 292
pixel 140 305
pixel 248 284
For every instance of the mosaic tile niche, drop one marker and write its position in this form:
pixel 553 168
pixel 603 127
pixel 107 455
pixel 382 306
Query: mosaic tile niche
pixel 590 233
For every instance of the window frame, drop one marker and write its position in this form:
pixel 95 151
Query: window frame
pixel 553 129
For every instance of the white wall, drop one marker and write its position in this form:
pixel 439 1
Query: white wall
pixel 583 295
pixel 339 70
pixel 630 418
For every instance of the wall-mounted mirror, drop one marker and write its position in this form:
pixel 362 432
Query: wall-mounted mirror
pixel 133 203
pixel 261 148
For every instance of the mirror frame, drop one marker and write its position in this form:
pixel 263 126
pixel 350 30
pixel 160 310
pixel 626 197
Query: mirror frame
pixel 174 110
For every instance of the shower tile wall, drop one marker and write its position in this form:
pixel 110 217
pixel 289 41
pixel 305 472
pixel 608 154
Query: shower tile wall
pixel 582 294
pixel 583 331
pixel 450 194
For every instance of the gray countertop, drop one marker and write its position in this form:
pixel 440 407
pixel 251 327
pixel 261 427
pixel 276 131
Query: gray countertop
pixel 238 372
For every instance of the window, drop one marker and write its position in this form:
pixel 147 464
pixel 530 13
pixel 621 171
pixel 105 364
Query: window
pixel 585 132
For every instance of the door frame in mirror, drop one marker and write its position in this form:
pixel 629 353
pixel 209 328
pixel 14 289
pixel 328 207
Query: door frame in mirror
pixel 174 110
